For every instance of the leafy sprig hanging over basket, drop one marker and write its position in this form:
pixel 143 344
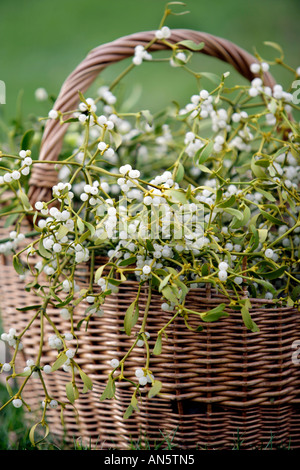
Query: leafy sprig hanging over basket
pixel 204 193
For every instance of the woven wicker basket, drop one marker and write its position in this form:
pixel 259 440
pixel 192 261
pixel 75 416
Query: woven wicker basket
pixel 217 383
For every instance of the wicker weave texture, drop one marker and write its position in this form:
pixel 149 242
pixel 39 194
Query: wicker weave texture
pixel 213 380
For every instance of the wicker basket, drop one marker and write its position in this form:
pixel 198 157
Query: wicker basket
pixel 218 383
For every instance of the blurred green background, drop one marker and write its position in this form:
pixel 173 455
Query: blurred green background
pixel 42 41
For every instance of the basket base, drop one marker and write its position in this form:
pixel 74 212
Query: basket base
pixel 100 425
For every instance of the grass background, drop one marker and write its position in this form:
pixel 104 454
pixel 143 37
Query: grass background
pixel 42 41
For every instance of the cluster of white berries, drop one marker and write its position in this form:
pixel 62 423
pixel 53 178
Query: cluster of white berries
pixel 11 339
pixel 107 96
pixel 26 162
pixel 146 263
pixel 26 156
pixel 86 111
pixel 52 403
pixel 107 122
pixel 90 191
pixel 143 267
pixel 257 87
pixel 106 151
pixel 143 376
pixel 193 144
pixel 111 219
pixel 67 285
pixel 82 254
pixel 220 123
pixel 257 67
pixel 59 219
pixel 289 169
pixel 163 33
pixel 200 105
pixel 50 244
pixel 220 119
pixel 127 170
pixel 89 105
pixel 219 143
pixel 242 140
pixel 237 117
pixel 165 180
pixel 223 267
pixel 140 54
pixel 55 342
pixel 12 244
pixel 128 182
pixel 62 190
pixel 192 241
pixel 55 215
pixel 30 364
pixel 96 123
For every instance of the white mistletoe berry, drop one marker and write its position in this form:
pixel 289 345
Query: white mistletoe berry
pixel 39 205
pixel 66 285
pixel 57 247
pixel 6 367
pixel 269 253
pixel 16 175
pixel 143 380
pixel 17 402
pixel 68 336
pixel 146 269
pixel 53 114
pixel 47 369
pixel 222 275
pixel 114 363
pixel 139 373
pixel 223 266
pixel 70 353
pixel 204 94
pixel 255 67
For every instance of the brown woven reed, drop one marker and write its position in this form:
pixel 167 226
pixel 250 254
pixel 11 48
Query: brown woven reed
pixel 217 383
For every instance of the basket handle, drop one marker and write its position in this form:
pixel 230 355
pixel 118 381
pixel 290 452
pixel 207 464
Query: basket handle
pixel 44 176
